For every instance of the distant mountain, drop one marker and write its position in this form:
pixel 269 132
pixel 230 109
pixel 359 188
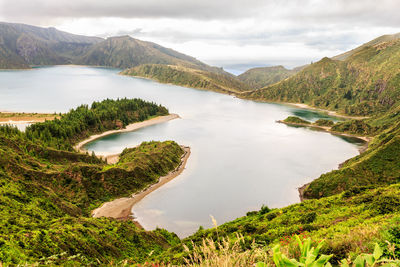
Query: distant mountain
pixel 24 45
pixel 126 52
pixel 189 77
pixel 260 77
pixel 365 83
pixel 376 41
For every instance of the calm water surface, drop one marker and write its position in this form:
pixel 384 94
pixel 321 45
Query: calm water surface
pixel 241 158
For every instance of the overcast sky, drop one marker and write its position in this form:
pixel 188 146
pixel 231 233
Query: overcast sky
pixel 234 34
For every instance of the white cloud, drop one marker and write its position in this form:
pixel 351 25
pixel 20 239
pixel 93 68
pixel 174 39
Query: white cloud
pixel 224 32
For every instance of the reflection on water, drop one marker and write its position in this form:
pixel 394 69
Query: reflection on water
pixel 311 115
pixel 241 158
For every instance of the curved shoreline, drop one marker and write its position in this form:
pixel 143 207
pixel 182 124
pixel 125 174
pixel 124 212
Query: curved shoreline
pixel 131 127
pixel 221 91
pixel 327 129
pixel 329 112
pixel 121 208
pixel 304 106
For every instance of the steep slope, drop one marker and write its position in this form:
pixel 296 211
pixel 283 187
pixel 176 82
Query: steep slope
pixel 125 51
pixel 379 165
pixel 189 77
pixel 46 194
pixel 257 78
pixel 376 41
pixel 23 45
pixel 349 223
pixel 368 82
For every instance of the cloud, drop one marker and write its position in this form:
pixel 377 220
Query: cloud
pixel 229 33
pixel 40 10
pixel 368 12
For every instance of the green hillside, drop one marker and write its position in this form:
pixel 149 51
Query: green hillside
pixel 125 52
pixel 47 190
pixel 350 224
pixel 365 83
pixel 47 194
pixel 376 41
pixel 258 78
pixel 378 165
pixel 189 77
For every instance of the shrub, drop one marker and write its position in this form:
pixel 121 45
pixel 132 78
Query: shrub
pixel 264 209
pixel 324 122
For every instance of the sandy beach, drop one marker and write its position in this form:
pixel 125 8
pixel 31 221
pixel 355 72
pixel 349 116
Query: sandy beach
pixel 7 117
pixel 121 208
pixel 129 128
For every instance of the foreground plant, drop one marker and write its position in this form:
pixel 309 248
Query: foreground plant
pixel 308 256
pixel 374 259
pixel 224 253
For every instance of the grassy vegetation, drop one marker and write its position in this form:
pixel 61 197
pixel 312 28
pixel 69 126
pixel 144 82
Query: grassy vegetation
pixel 350 223
pixel 189 77
pixel 295 120
pixel 352 208
pixel 46 193
pixel 378 165
pixel 324 122
pixel 46 196
pixel 258 78
pixel 365 83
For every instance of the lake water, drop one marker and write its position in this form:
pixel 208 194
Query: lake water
pixel 241 158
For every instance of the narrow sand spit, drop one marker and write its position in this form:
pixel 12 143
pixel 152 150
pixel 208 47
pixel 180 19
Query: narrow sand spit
pixel 21 118
pixel 129 128
pixel 121 208
pixel 17 122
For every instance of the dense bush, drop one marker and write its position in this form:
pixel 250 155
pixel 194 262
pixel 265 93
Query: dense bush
pixel 295 120
pixel 84 121
pixel 324 122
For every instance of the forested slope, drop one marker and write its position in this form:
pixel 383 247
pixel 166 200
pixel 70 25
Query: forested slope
pixel 47 194
pixel 365 83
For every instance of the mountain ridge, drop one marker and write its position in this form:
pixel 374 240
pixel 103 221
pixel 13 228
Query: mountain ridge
pixel 263 76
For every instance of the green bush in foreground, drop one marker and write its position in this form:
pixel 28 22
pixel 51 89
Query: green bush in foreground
pixel 309 257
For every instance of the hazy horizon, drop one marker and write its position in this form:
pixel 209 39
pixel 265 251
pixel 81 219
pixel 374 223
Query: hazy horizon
pixel 235 35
